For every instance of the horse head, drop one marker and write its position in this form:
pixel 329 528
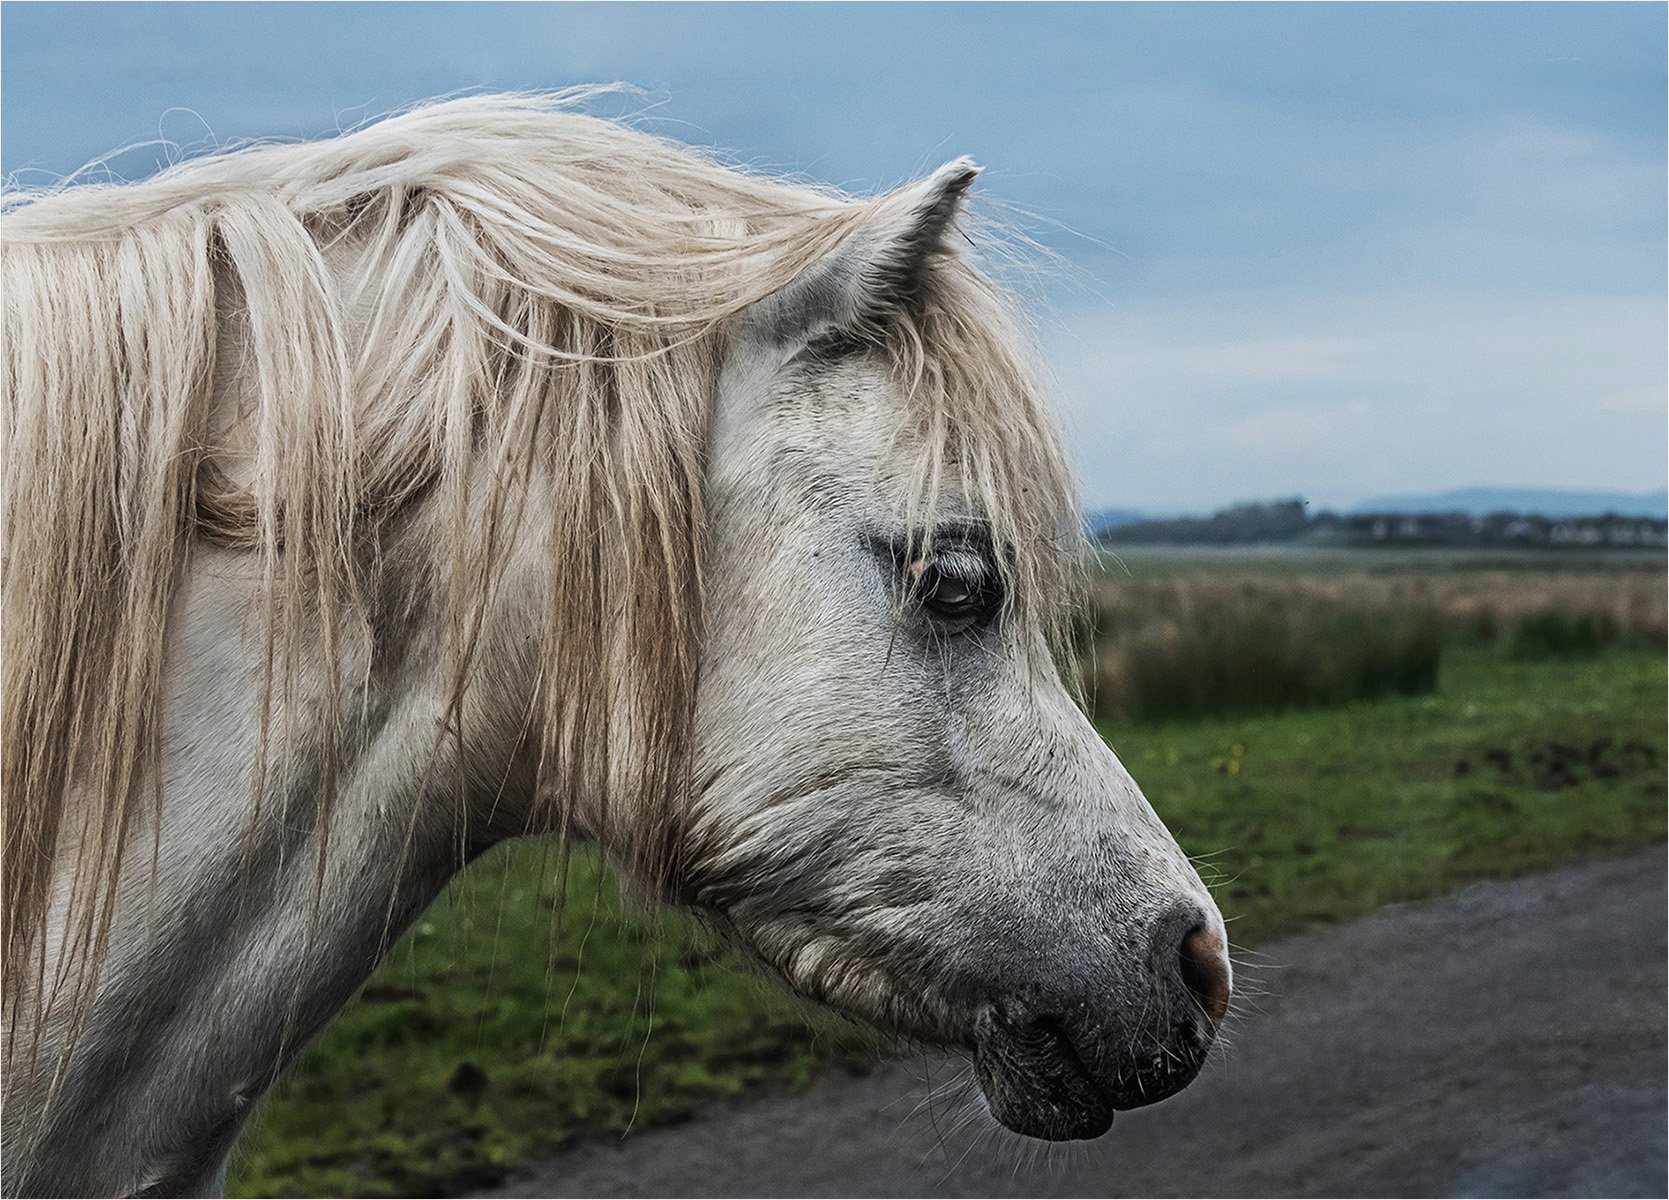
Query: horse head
pixel 898 807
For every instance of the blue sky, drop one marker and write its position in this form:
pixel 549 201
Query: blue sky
pixel 1332 250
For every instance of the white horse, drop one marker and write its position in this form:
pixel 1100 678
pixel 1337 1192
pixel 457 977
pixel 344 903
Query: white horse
pixel 495 470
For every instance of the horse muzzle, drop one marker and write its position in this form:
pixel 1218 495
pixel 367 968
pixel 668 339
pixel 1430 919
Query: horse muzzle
pixel 1057 1064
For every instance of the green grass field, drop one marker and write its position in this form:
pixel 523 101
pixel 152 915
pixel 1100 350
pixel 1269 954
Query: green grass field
pixel 1322 815
pixel 496 1032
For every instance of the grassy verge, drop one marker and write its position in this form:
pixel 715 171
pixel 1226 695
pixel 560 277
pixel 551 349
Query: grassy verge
pixel 1323 815
pixel 504 1025
pixel 494 1034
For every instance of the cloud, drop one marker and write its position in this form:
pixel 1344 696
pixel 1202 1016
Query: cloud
pixel 1342 396
pixel 1648 400
pixel 1296 428
pixel 1330 249
pixel 1284 359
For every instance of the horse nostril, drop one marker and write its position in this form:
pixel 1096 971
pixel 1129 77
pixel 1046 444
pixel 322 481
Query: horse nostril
pixel 1205 971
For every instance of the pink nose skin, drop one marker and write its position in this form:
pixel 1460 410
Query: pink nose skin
pixel 1205 969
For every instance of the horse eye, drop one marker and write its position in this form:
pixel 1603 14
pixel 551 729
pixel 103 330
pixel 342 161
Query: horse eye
pixel 959 590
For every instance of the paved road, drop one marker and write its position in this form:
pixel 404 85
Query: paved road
pixel 1506 1040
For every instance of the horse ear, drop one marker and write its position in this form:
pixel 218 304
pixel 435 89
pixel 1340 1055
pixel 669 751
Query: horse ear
pixel 876 268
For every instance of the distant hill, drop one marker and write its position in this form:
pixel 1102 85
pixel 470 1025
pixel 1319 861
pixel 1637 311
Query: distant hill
pixel 1273 521
pixel 1545 502
pixel 1102 519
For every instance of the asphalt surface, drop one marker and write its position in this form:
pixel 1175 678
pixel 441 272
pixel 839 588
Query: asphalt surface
pixel 1508 1040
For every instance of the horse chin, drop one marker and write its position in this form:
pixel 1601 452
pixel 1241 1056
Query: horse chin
pixel 1036 1084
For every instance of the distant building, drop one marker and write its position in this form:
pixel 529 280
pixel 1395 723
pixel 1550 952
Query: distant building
pixel 1506 529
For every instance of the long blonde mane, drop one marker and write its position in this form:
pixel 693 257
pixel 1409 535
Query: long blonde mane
pixel 440 309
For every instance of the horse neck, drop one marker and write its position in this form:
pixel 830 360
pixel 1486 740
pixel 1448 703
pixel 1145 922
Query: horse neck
pixel 254 915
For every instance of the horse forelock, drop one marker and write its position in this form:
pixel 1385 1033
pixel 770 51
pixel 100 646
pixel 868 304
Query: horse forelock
pixel 483 306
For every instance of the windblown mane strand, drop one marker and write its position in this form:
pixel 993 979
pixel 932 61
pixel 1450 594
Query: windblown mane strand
pixel 448 308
